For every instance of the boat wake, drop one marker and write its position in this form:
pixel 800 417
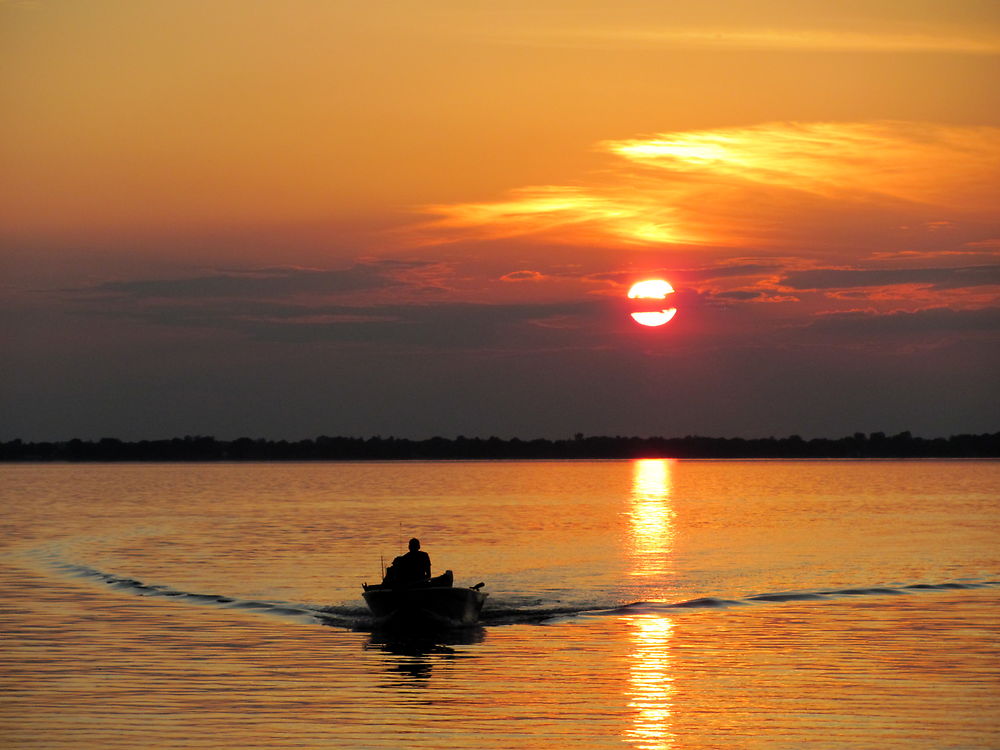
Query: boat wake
pixel 710 602
pixel 503 609
pixel 288 610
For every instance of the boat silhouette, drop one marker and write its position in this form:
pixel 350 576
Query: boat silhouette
pixel 436 603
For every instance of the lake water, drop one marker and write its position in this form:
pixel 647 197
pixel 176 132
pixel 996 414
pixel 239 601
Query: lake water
pixel 647 604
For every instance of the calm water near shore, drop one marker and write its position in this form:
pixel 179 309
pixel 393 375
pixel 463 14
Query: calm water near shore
pixel 648 604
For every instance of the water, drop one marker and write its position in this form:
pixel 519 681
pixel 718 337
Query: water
pixel 647 604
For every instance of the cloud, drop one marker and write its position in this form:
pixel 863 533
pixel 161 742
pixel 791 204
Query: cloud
pixel 522 276
pixel 936 278
pixel 907 161
pixel 268 282
pixel 801 39
pixel 444 325
pixel 923 323
pixel 282 305
pixel 981 252
pixel 991 244
pixel 568 212
pixel 803 186
pixel 705 273
pixel 741 296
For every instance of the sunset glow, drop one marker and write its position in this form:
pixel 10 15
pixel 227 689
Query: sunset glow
pixel 236 207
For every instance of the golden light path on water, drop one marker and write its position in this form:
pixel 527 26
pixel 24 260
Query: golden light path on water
pixel 651 518
pixel 651 529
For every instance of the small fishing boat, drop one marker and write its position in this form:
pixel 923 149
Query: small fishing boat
pixel 436 603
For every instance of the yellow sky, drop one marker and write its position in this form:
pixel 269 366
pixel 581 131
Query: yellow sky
pixel 137 118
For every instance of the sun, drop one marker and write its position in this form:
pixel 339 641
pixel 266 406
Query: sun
pixel 652 289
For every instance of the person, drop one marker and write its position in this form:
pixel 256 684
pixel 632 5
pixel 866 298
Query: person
pixel 413 567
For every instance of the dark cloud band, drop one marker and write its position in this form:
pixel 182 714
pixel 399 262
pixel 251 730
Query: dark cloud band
pixel 938 278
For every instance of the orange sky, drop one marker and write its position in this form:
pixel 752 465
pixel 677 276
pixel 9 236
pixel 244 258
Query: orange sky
pixel 185 171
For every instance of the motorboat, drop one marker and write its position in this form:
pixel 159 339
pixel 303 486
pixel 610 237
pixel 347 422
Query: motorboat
pixel 436 603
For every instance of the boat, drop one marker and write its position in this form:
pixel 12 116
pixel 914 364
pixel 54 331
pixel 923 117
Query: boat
pixel 436 603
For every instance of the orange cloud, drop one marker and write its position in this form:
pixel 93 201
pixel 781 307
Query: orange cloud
pixel 522 276
pixel 965 42
pixel 572 212
pixel 777 184
pixel 907 161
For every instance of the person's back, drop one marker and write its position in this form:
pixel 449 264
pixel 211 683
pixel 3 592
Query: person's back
pixel 413 567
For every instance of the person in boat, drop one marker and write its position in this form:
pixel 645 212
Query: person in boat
pixel 412 568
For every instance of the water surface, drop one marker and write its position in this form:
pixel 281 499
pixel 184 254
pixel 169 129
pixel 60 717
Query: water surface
pixel 646 604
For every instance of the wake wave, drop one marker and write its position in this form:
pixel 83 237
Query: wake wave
pixel 797 596
pixel 341 616
pixel 501 610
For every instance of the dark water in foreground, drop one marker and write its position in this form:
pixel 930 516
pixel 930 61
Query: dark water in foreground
pixel 648 604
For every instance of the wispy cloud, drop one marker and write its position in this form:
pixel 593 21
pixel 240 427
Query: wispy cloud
pixel 936 278
pixel 913 162
pixel 440 325
pixel 801 185
pixel 920 322
pixel 567 211
pixel 371 303
pixel 270 283
pixel 525 275
pixel 764 39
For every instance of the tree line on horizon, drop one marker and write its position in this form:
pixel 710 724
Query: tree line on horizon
pixel 324 448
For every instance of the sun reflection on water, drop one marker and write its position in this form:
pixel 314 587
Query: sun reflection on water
pixel 651 683
pixel 651 529
pixel 651 517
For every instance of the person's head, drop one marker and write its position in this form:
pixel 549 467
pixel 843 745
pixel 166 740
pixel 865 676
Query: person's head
pixel 414 545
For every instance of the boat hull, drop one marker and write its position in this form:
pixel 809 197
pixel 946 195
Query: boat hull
pixel 429 606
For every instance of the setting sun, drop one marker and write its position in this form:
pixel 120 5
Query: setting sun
pixel 652 289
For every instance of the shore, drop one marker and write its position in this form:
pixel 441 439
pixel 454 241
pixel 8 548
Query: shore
pixel 200 448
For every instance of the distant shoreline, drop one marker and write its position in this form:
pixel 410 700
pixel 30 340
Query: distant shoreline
pixel 323 448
